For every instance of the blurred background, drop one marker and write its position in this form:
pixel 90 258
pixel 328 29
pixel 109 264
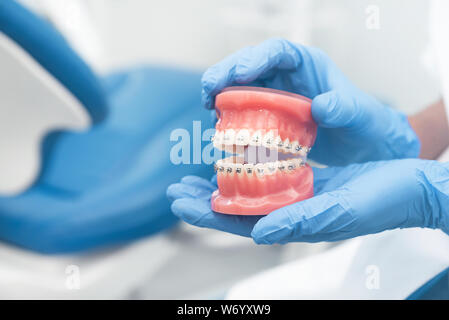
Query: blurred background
pixel 389 60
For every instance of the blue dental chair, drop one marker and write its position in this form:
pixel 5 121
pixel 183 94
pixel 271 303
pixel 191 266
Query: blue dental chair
pixel 106 185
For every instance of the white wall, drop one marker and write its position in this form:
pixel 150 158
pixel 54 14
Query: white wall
pixel 387 62
pixel 197 33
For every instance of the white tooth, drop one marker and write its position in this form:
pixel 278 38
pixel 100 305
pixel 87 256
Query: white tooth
pixel 243 137
pixel 238 168
pixel 229 137
pixel 220 167
pixel 260 170
pixel 249 169
pixel 268 139
pixel 291 165
pixel 282 165
pixel 271 167
pixel 228 160
pixel 230 168
pixel 295 147
pixel 303 152
pixel 256 138
pixel 221 136
pixel 298 162
pixel 287 146
pixel 279 144
pixel 214 141
pixel 218 139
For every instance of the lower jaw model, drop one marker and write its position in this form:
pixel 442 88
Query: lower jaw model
pixel 269 132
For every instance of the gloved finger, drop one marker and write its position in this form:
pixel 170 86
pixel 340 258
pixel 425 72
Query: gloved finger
pixel 332 178
pixel 323 176
pixel 218 77
pixel 181 190
pixel 213 180
pixel 213 117
pixel 246 65
pixel 335 110
pixel 263 58
pixel 198 213
pixel 199 182
pixel 326 217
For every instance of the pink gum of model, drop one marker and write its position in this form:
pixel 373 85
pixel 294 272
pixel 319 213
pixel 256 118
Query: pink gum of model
pixel 263 110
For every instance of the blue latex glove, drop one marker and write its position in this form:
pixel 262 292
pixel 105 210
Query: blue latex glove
pixel 353 126
pixel 350 201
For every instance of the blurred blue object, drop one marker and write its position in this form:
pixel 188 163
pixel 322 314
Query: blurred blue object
pixel 107 185
pixel 435 289
pixel 49 48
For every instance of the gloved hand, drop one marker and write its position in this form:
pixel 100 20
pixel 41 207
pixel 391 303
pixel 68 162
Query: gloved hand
pixel 191 203
pixel 350 201
pixel 352 126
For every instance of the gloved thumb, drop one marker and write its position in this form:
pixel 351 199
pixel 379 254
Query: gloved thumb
pixel 335 110
pixel 323 217
pixel 213 117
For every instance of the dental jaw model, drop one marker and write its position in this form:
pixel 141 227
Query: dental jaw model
pixel 269 132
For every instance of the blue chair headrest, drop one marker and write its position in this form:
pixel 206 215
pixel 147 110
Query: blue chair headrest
pixel 49 48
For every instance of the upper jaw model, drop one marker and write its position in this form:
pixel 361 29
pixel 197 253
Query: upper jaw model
pixel 270 133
